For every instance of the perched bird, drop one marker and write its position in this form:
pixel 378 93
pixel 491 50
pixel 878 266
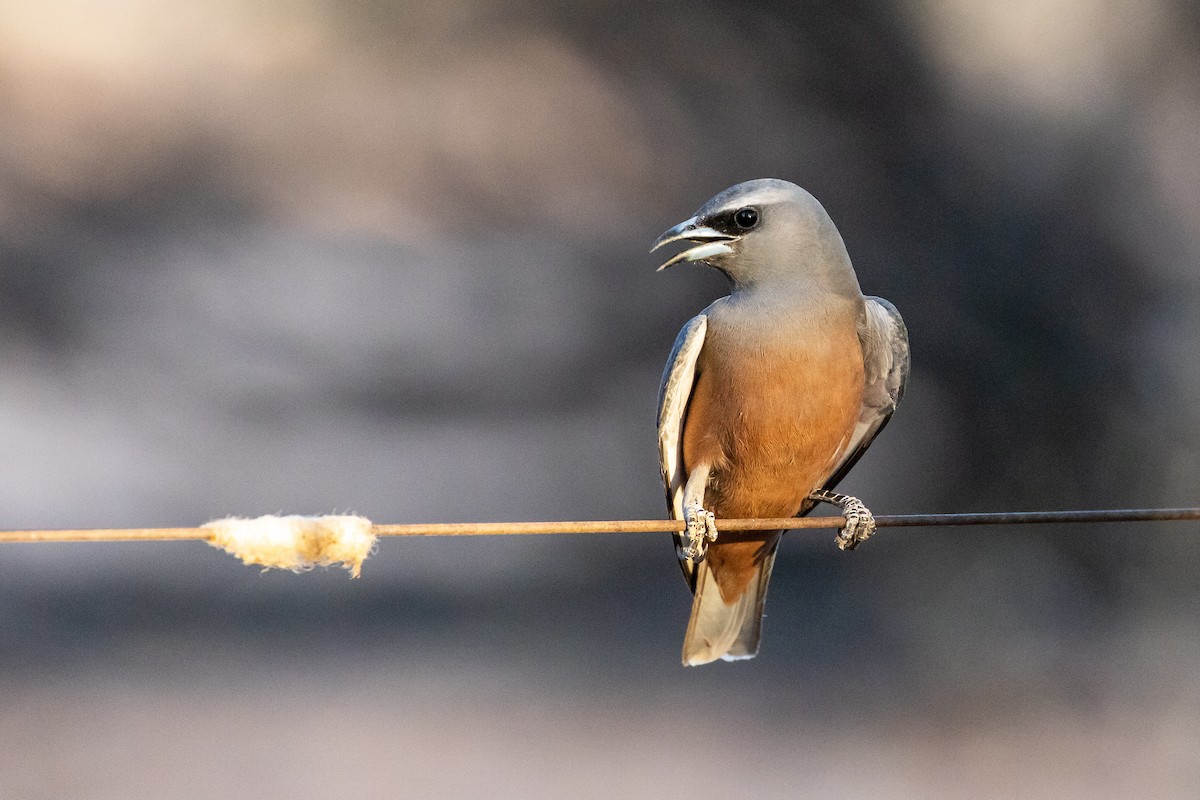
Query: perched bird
pixel 769 397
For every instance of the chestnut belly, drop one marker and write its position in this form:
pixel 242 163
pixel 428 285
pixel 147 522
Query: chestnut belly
pixel 773 430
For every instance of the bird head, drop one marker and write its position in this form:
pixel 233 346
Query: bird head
pixel 762 230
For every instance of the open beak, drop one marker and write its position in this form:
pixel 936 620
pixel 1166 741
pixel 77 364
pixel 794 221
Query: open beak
pixel 712 242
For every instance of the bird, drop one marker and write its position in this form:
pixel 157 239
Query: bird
pixel 769 396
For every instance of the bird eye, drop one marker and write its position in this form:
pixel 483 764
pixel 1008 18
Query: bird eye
pixel 746 218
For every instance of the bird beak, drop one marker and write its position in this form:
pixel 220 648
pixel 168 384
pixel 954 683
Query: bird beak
pixel 712 242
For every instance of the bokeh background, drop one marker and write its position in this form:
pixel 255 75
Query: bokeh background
pixel 390 258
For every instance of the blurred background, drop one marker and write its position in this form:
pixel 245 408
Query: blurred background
pixel 390 258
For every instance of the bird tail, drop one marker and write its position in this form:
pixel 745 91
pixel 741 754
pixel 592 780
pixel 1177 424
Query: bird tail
pixel 728 631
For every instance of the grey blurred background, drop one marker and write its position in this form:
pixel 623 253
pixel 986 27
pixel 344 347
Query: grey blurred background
pixel 390 258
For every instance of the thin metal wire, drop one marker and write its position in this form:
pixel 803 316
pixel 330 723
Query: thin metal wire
pixel 640 526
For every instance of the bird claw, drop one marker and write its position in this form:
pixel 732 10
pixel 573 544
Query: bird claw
pixel 860 522
pixel 701 531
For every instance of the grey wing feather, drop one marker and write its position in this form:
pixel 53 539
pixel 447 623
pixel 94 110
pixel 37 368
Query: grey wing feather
pixel 673 395
pixel 884 342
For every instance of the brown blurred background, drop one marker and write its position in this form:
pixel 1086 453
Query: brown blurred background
pixel 391 258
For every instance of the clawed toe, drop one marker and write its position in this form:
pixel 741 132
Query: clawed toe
pixel 860 522
pixel 701 531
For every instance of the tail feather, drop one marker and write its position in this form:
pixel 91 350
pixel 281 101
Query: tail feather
pixel 729 631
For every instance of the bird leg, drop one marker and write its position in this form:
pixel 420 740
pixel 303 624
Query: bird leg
pixel 860 522
pixel 701 523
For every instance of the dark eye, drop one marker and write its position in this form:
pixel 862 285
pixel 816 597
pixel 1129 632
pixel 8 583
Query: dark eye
pixel 746 218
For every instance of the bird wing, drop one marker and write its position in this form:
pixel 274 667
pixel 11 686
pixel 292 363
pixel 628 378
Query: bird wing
pixel 673 395
pixel 884 342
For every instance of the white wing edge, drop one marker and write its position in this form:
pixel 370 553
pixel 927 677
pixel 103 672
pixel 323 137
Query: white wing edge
pixel 673 395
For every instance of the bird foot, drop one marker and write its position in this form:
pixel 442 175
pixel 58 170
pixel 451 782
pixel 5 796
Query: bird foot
pixel 860 522
pixel 701 531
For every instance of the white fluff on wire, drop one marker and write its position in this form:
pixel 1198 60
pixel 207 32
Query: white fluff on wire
pixel 296 542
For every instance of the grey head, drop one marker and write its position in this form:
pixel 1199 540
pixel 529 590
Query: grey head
pixel 768 233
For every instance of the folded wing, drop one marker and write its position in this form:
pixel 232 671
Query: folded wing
pixel 673 395
pixel 884 342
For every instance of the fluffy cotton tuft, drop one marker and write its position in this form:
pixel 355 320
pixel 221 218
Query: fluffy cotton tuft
pixel 295 542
